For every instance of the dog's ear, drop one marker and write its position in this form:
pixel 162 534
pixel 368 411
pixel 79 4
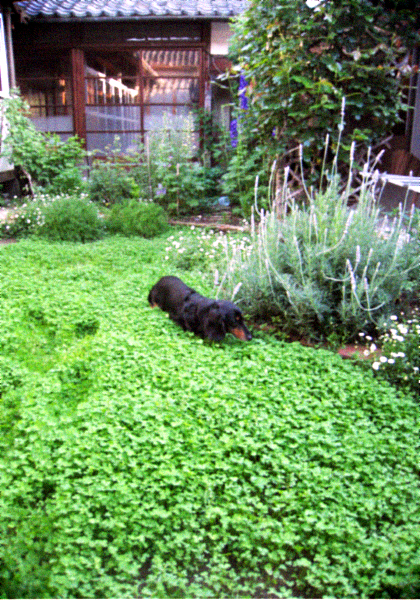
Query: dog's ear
pixel 214 326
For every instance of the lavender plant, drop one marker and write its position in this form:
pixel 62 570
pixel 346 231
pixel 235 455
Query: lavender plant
pixel 327 270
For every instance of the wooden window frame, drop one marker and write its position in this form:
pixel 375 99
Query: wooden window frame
pixel 78 79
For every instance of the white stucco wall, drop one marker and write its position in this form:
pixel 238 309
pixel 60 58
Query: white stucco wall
pixel 219 41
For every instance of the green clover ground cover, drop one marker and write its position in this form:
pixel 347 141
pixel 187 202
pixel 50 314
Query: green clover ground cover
pixel 137 460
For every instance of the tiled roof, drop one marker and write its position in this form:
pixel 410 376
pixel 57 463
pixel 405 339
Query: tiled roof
pixel 117 9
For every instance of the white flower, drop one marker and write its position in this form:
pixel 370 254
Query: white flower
pixel 391 361
pixel 395 354
pixel 383 359
pixel 394 318
pixel 376 365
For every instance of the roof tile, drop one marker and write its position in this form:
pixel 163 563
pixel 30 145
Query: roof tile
pixel 79 9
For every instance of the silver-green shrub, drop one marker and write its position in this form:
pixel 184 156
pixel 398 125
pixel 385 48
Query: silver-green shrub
pixel 325 269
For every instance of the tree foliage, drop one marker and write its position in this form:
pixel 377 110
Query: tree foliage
pixel 301 61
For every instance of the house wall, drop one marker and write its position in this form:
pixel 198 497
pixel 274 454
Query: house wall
pixel 220 36
pixel 101 79
pixel 4 74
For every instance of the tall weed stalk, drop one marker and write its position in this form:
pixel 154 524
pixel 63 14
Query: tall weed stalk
pixel 326 270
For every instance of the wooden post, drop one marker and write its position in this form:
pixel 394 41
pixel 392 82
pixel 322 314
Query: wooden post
pixel 79 99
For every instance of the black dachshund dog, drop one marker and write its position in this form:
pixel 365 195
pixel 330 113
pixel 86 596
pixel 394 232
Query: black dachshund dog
pixel 211 319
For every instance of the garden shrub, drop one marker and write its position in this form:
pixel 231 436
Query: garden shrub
pixel 324 270
pixel 146 219
pixel 71 219
pixel 52 163
pixel 141 461
pixel 300 59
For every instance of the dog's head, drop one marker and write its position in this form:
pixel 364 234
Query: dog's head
pixel 233 321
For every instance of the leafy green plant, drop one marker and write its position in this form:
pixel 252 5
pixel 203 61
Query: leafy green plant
pixel 301 59
pixel 167 167
pixel 146 219
pixel 139 461
pixel 10 375
pixel 247 162
pixel 214 152
pixel 109 181
pixel 215 143
pixel 50 162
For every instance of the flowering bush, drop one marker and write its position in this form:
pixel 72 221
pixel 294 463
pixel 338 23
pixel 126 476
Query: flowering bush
pixel 24 220
pixel 400 360
pixel 62 217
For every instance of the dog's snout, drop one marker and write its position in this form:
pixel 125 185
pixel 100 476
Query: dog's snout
pixel 241 334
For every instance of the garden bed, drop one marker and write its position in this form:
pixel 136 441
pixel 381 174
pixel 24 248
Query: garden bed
pixel 221 221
